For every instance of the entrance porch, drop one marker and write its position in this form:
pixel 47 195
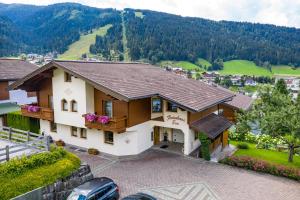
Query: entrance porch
pixel 169 139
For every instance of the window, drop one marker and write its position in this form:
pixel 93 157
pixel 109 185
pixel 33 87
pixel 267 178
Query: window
pixel 68 77
pixel 172 107
pixel 220 112
pixel 64 105
pixel 53 127
pixel 73 131
pixel 196 136
pixel 108 108
pixel 83 133
pixel 156 105
pixel 74 106
pixel 109 137
pixel 152 136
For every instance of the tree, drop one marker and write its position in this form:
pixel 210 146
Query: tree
pixel 217 80
pixel 281 88
pixel 277 115
pixel 226 82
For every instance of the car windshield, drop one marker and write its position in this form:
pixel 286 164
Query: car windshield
pixel 76 196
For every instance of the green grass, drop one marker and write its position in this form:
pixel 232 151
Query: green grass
pixel 244 67
pixel 285 70
pixel 183 64
pixel 267 155
pixel 203 62
pixel 82 46
pixel 12 185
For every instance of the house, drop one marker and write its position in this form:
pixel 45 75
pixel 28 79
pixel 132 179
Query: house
pixel 124 108
pixel 292 83
pixel 12 70
pixel 239 102
pixel 250 82
pixel 209 77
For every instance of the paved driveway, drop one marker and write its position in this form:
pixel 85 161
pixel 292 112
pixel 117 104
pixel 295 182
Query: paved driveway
pixel 171 176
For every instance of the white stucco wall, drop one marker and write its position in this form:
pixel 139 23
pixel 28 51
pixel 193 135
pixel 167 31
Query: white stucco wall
pixel 134 141
pixel 77 90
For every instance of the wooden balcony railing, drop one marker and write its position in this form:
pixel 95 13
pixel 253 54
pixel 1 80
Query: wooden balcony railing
pixel 115 124
pixel 41 113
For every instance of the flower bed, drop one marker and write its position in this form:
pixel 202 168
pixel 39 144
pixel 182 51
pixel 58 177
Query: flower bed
pixel 31 108
pixel 262 166
pixel 94 118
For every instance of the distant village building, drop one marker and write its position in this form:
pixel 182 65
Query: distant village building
pixel 292 83
pixel 209 77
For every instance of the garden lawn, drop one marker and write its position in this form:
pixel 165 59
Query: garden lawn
pixel 14 185
pixel 275 157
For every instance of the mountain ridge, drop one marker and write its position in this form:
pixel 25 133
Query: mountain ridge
pixel 154 37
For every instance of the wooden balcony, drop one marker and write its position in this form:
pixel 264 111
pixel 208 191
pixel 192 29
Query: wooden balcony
pixel 42 113
pixel 116 124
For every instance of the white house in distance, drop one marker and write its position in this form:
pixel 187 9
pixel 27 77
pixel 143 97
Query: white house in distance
pixel 292 83
pixel 125 108
pixel 10 71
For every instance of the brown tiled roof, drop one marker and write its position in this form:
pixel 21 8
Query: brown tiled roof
pixel 239 101
pixel 14 69
pixel 130 81
pixel 212 125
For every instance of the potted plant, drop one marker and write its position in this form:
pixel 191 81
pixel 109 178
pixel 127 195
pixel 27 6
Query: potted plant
pixel 90 117
pixel 93 151
pixel 60 143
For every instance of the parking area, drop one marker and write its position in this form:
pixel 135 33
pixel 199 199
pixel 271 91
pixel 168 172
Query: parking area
pixel 171 176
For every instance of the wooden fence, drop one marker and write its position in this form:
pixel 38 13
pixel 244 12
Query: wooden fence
pixel 21 141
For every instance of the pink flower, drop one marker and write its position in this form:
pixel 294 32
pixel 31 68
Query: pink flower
pixel 90 117
pixel 31 108
pixel 103 119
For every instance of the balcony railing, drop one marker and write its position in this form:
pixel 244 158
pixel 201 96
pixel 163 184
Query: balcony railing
pixel 115 124
pixel 38 112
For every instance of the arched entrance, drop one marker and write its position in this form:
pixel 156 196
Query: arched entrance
pixel 168 139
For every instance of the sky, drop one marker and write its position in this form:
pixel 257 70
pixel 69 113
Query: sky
pixel 278 12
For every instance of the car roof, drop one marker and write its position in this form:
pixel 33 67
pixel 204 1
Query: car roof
pixel 138 196
pixel 92 185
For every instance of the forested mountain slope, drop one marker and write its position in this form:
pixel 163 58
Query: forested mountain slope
pixel 152 36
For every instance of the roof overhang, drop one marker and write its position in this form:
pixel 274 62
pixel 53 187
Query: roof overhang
pixel 53 65
pixel 212 125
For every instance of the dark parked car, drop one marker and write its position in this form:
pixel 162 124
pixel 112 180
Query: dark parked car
pixel 96 189
pixel 139 196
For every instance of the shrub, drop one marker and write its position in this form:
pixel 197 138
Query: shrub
pixel 93 151
pixel 60 143
pixel 262 166
pixel 17 166
pixel 205 142
pixel 242 146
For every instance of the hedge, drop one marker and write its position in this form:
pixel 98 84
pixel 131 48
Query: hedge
pixel 262 166
pixel 37 171
pixel 18 121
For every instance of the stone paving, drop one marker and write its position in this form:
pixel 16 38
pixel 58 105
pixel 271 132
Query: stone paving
pixel 160 173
